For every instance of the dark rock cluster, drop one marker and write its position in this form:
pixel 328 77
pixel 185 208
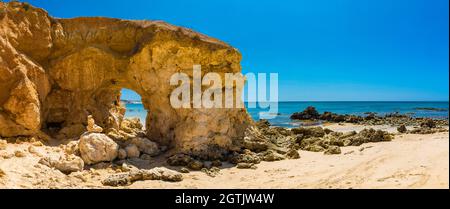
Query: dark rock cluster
pixel 395 119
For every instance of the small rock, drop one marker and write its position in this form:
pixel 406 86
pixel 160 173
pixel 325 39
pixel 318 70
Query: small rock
pixel 2 173
pixel 125 167
pixel 246 157
pixel 184 170
pixel 293 154
pixel 195 165
pixel 244 165
pixel 32 149
pixel 146 146
pixel 272 156
pixel 66 164
pixel 122 154
pixel 428 123
pixel 333 150
pixel 72 148
pixel 92 127
pixel 37 144
pixel 402 129
pixel 179 160
pixel 132 151
pixel 308 114
pixel 3 144
pixel 19 153
pixel 216 163
pixel 212 172
pixel 146 157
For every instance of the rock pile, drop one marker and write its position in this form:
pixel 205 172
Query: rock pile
pixel 394 119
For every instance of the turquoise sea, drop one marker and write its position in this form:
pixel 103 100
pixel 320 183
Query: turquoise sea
pixel 285 109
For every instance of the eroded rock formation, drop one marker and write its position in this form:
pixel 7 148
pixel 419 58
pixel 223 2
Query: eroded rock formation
pixel 56 72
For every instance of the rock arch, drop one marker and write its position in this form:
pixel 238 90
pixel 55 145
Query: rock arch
pixel 56 72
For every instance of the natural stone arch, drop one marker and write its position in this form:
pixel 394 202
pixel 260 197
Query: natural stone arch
pixel 79 66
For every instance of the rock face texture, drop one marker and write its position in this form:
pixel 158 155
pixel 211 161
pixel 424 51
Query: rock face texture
pixel 97 147
pixel 54 73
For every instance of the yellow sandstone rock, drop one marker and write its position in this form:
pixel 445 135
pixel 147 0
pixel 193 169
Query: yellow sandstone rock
pixel 56 72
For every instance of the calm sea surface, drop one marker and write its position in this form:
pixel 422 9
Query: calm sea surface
pixel 285 109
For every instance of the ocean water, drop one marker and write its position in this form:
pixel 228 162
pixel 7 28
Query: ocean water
pixel 285 109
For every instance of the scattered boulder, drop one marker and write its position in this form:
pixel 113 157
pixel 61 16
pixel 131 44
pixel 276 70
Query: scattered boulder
pixel 146 146
pixel 270 156
pixel 371 135
pixel 246 166
pixel 97 147
pixel 333 150
pixel 246 157
pixel 254 140
pixel 309 132
pixel 132 151
pixel 64 163
pixel 159 173
pixel 310 113
pixel 212 172
pixel 292 154
pixel 309 141
pixel 427 130
pixel 179 160
pixel 428 123
pixel 195 165
pixel 332 117
pixel 402 129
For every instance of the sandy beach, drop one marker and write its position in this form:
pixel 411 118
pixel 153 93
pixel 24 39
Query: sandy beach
pixel 116 99
pixel 408 161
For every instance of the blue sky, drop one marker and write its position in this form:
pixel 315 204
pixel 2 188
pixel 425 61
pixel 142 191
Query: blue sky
pixel 323 50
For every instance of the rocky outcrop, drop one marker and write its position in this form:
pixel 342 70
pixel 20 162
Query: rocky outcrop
pixel 54 73
pixel 370 118
pixel 309 113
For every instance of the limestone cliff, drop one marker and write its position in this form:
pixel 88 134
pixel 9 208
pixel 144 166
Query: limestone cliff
pixel 56 72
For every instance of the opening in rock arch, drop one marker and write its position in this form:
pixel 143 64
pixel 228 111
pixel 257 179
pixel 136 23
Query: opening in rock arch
pixel 133 105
